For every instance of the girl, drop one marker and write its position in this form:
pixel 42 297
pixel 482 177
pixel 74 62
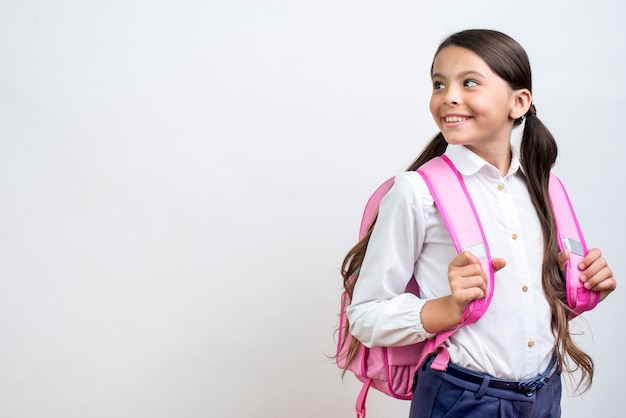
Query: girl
pixel 481 89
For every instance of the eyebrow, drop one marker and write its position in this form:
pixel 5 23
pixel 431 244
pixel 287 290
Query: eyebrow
pixel 461 74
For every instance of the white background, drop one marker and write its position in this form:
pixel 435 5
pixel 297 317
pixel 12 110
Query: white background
pixel 180 180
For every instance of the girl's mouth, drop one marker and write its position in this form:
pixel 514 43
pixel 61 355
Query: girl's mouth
pixel 453 119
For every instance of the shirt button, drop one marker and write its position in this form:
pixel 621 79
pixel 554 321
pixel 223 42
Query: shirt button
pixel 531 343
pixel 500 186
pixel 514 236
pixel 525 288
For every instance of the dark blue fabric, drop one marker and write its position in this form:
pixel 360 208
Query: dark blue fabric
pixel 439 395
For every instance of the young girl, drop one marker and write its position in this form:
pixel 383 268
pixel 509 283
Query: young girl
pixel 481 89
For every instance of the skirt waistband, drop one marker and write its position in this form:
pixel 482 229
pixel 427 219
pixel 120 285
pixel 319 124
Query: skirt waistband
pixel 526 386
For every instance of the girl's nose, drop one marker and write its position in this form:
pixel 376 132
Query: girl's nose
pixel 451 97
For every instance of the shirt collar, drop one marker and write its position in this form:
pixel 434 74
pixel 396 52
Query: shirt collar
pixel 469 163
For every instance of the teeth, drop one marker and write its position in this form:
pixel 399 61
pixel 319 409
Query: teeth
pixel 455 118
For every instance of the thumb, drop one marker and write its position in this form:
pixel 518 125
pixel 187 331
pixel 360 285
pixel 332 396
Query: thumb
pixel 562 259
pixel 563 256
pixel 498 264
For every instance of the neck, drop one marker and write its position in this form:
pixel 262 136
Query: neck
pixel 498 156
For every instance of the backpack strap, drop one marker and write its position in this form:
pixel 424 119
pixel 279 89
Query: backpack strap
pixel 461 219
pixel 371 208
pixel 571 238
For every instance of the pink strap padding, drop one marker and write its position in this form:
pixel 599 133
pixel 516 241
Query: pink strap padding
pixel 461 219
pixel 371 208
pixel 571 237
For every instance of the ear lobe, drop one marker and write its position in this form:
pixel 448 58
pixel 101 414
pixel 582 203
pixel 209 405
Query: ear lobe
pixel 522 101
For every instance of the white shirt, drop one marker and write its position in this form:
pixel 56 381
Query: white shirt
pixel 513 339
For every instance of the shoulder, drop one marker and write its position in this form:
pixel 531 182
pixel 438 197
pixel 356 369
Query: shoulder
pixel 409 189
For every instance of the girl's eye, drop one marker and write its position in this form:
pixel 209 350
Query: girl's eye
pixel 438 85
pixel 470 83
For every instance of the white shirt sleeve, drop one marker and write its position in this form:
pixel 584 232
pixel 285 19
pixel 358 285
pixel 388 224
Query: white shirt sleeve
pixel 381 313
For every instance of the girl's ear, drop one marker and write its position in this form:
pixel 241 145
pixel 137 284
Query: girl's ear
pixel 522 101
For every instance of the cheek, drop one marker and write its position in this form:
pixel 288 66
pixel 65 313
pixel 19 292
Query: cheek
pixel 434 108
pixel 490 104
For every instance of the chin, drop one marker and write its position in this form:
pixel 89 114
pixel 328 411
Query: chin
pixel 455 140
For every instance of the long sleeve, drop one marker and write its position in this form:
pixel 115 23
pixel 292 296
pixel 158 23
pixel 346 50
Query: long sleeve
pixel 380 313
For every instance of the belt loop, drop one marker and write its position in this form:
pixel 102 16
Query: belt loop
pixel 483 387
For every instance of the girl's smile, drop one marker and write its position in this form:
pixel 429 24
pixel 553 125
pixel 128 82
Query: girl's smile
pixel 455 119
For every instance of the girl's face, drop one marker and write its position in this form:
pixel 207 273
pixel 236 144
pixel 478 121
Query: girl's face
pixel 471 105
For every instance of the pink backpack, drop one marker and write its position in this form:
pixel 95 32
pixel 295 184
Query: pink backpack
pixel 392 369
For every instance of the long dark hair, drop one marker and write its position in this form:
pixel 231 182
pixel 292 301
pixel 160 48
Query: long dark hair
pixel 538 152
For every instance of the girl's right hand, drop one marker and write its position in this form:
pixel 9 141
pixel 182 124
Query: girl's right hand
pixel 468 280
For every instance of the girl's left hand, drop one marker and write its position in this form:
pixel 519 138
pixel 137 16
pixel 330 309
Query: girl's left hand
pixel 596 274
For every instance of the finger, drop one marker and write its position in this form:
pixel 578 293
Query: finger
pixel 475 269
pixel 606 287
pixel 594 269
pixel 607 284
pixel 498 264
pixel 468 289
pixel 468 277
pixel 463 259
pixel 592 255
pixel 471 294
pixel 562 259
pixel 602 280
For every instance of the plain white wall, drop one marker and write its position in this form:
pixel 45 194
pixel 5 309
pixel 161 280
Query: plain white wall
pixel 180 180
